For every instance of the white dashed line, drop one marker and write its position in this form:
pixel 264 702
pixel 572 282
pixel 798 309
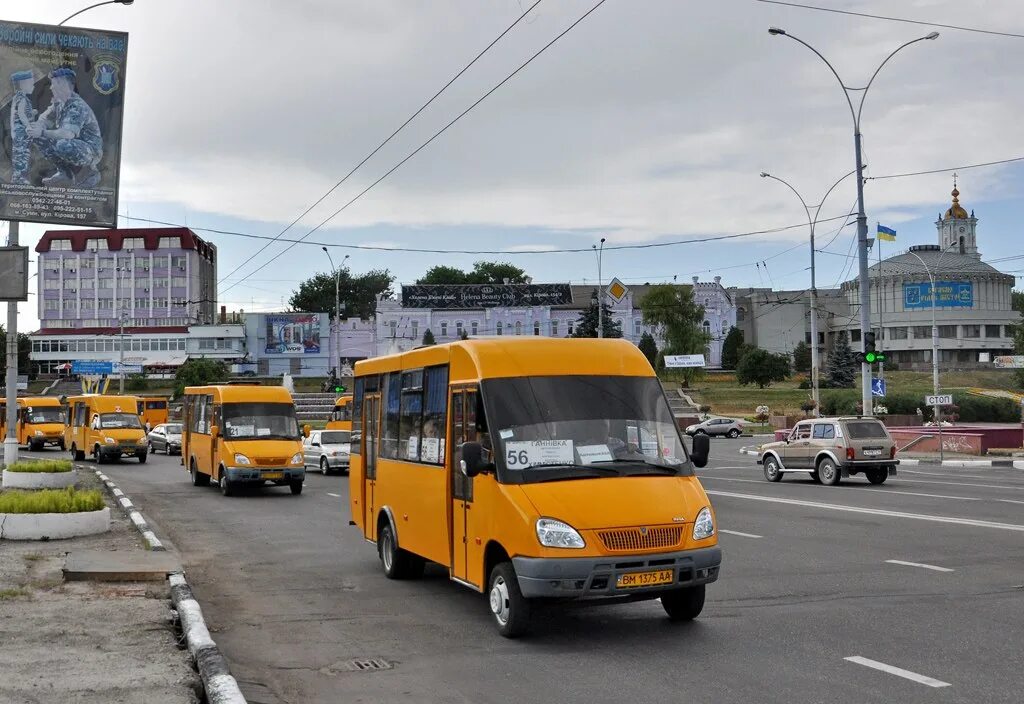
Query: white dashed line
pixel 736 532
pixel 1011 501
pixel 921 565
pixel 898 671
pixel 337 496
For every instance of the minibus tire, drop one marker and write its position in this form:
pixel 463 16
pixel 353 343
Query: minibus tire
pixel 61 446
pixel 510 609
pixel 98 455
pixel 198 478
pixel 142 457
pixel 76 454
pixel 397 563
pixel 296 487
pixel 226 488
pixel 683 604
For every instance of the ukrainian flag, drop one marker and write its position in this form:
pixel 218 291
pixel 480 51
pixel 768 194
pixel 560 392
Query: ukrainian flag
pixel 886 233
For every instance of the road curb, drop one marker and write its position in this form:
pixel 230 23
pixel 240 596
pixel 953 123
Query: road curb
pixel 1011 464
pixel 220 686
pixel 748 451
pixel 137 519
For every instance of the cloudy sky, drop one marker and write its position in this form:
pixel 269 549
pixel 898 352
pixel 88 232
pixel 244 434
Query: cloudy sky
pixel 648 123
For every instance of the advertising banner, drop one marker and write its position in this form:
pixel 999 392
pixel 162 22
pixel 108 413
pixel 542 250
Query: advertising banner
pixel 90 368
pixel 949 294
pixel 485 295
pixel 293 333
pixel 1012 361
pixel 684 361
pixel 61 115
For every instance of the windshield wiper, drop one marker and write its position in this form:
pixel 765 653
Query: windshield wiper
pixel 640 460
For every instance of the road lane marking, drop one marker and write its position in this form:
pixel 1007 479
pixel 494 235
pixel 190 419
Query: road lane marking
pixel 337 496
pixel 971 522
pixel 984 486
pixel 1011 501
pixel 943 474
pixel 921 565
pixel 736 532
pixel 858 488
pixel 898 671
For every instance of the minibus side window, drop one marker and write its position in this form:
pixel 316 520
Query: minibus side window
pixel 357 414
pixel 393 395
pixel 80 414
pixel 435 415
pixel 411 415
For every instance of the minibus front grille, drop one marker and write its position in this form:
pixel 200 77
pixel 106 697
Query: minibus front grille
pixel 271 461
pixel 632 539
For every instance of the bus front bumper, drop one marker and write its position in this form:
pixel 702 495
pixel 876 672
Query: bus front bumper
pixel 118 451
pixel 260 474
pixel 597 577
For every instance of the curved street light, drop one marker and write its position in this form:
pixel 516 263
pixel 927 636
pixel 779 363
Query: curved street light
pixel 862 222
pixel 812 221
pixel 599 251
pixel 337 301
pixel 99 4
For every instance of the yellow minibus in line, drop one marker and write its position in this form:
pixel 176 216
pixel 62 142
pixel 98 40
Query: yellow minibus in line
pixel 341 416
pixel 242 434
pixel 105 427
pixel 40 422
pixel 531 468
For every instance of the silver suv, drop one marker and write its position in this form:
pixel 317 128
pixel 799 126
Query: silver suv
pixel 830 449
pixel 716 426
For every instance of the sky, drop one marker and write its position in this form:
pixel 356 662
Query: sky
pixel 648 123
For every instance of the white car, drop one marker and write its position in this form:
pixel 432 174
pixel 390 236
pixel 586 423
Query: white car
pixel 328 450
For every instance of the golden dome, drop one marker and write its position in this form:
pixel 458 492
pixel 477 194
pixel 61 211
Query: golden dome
pixel 955 211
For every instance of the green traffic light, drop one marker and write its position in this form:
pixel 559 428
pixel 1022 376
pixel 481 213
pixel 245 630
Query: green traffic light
pixel 870 357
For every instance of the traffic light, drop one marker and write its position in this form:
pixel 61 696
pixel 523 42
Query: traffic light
pixel 871 355
pixel 339 389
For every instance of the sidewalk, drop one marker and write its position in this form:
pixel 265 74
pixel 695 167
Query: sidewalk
pixel 90 642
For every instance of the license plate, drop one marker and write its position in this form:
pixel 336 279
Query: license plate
pixel 273 475
pixel 872 453
pixel 632 580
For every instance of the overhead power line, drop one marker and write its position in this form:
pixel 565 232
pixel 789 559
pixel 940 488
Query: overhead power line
pixel 894 19
pixel 435 135
pixel 942 171
pixel 390 137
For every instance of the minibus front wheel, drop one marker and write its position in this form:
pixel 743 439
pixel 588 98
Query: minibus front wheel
pixel 510 608
pixel 683 604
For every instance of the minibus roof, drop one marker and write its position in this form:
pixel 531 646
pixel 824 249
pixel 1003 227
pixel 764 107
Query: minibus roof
pixel 105 402
pixel 499 357
pixel 39 401
pixel 226 393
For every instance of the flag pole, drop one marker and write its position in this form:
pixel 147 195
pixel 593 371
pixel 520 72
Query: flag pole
pixel 881 306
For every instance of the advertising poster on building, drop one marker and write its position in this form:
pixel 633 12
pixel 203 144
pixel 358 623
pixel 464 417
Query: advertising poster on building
pixel 293 333
pixel 948 294
pixel 61 115
pixel 485 295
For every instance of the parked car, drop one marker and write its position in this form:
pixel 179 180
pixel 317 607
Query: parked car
pixel 165 437
pixel 830 449
pixel 716 426
pixel 328 449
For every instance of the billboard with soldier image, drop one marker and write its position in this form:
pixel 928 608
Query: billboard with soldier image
pixel 61 115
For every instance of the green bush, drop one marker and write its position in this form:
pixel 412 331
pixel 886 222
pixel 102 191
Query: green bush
pixel 985 409
pixel 51 501
pixel 972 409
pixel 47 466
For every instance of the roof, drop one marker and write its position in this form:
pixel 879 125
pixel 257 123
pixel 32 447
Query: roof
pixel 581 294
pixel 113 331
pixel 115 239
pixel 938 263
pixel 245 393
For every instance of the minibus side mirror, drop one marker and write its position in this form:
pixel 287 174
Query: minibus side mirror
pixel 214 431
pixel 473 462
pixel 701 450
pixel 305 431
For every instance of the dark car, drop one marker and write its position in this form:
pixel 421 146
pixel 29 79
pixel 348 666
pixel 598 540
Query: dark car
pixel 165 437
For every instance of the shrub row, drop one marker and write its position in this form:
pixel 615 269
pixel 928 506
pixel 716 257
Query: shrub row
pixel 47 466
pixel 51 501
pixel 972 409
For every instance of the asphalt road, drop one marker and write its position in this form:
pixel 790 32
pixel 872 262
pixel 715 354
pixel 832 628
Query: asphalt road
pixel 827 594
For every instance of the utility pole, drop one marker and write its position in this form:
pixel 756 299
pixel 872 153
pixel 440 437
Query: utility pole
pixel 11 440
pixel 600 291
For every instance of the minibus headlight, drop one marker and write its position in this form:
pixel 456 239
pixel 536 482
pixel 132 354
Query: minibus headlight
pixel 39 432
pixel 704 526
pixel 297 458
pixel 110 441
pixel 241 459
pixel 556 534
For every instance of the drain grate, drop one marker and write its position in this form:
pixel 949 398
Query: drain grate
pixel 362 665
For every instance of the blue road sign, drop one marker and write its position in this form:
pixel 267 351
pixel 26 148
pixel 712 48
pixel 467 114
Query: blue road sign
pixel 91 368
pixel 877 386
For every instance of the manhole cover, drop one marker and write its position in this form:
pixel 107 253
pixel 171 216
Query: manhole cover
pixel 362 665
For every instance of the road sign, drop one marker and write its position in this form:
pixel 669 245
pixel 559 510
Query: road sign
pixel 118 368
pixel 617 290
pixel 683 361
pixel 940 400
pixel 877 386
pixel 91 367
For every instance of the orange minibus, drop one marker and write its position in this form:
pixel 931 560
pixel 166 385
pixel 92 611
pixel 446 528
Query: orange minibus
pixel 40 422
pixel 105 427
pixel 341 416
pixel 153 410
pixel 532 469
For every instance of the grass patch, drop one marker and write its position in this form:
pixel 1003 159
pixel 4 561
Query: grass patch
pixel 33 557
pixel 13 593
pixel 45 466
pixel 67 500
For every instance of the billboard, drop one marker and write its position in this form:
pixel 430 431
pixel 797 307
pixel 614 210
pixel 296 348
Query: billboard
pixel 485 295
pixel 949 294
pixel 293 333
pixel 61 115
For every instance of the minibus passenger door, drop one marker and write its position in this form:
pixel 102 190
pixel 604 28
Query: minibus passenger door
pixel 463 430
pixel 371 421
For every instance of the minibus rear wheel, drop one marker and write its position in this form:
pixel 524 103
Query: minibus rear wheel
pixel 683 604
pixel 397 563
pixel 76 454
pixel 511 610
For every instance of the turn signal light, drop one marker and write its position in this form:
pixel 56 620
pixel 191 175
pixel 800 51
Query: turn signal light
pixel 849 453
pixel 892 452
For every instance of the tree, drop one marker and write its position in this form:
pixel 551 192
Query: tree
pixel 731 348
pixel 672 310
pixel 802 357
pixel 24 354
pixel 428 338
pixel 588 322
pixel 482 273
pixel 649 348
pixel 199 372
pixel 1018 346
pixel 1018 301
pixel 358 294
pixel 841 369
pixel 761 367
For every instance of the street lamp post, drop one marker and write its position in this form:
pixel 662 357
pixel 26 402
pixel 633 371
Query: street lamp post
pixel 336 342
pixel 99 4
pixel 812 221
pixel 936 412
pixel 600 300
pixel 862 221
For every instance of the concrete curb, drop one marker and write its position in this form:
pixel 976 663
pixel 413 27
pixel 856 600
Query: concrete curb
pixel 1010 464
pixel 39 480
pixel 133 513
pixel 53 526
pixel 221 687
pixel 748 451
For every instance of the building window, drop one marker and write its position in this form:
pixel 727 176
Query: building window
pixel 536 327
pixel 179 281
pixel 991 331
pixel 519 327
pixel 855 336
pixel 473 327
pixel 741 314
pixel 50 304
pixel 415 329
pixel 554 328
pixel 570 328
pixel 947 332
pixel 444 329
pixel 922 332
pixel 61 244
pixel 170 241
pixel 97 244
pixel 972 331
pixel 178 262
pixel 897 333
pixel 638 325
pixel 394 328
pixel 131 243
pixel 499 327
pixel 707 327
pixel 458 329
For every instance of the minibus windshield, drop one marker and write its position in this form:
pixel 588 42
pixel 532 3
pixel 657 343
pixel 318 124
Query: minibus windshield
pixel 109 421
pixel 568 427
pixel 260 421
pixel 334 437
pixel 46 415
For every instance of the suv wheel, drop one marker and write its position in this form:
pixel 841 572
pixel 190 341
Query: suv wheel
pixel 828 472
pixel 771 469
pixel 877 476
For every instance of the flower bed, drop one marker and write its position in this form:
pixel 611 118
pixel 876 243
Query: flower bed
pixel 52 514
pixel 49 474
